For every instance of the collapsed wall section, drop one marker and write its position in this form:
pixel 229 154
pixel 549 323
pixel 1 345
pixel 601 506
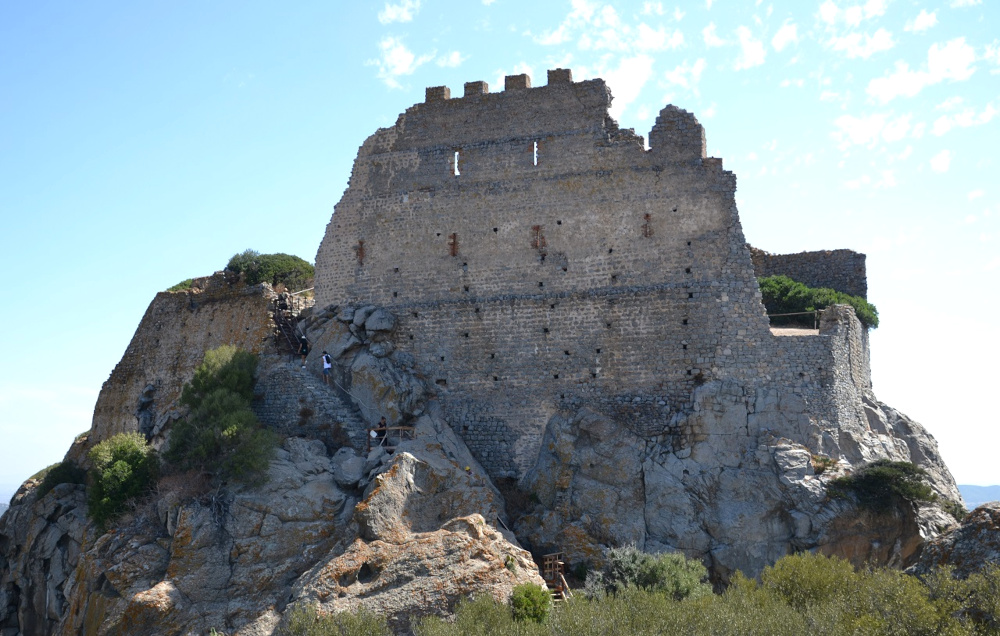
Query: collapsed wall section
pixel 170 341
pixel 843 270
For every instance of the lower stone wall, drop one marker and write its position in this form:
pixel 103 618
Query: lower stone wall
pixel 843 270
pixel 503 366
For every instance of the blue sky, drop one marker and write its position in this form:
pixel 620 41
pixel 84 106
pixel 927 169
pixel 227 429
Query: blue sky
pixel 145 143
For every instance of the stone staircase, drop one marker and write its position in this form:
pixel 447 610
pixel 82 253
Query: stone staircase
pixel 294 401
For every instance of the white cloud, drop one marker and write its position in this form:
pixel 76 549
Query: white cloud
pixel 798 83
pixel 709 112
pixel 852 16
pixel 950 104
pixel 451 60
pixel 828 12
pixel 965 118
pixel 863 45
pixel 660 39
pixel 896 129
pixel 752 156
pixel 627 81
pixel 952 61
pixel 922 22
pixel 941 161
pixel 787 34
pixel 751 51
pixel 859 131
pixel 488 2
pixel 965 3
pixel 992 54
pixel 402 12
pixel 854 184
pixel 975 194
pixel 875 8
pixel 708 4
pixel 652 8
pixel 687 75
pixel 888 179
pixel 678 14
pixel 711 39
pixel 397 60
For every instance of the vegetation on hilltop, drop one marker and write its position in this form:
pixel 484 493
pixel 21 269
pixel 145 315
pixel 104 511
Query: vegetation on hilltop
pixel 287 270
pixel 782 295
pixel 277 269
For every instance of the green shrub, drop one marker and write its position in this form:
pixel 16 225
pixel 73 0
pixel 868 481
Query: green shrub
pixel 65 472
pixel 669 573
pixel 530 602
pixel 124 467
pixel 884 484
pixel 226 367
pixel 43 472
pixel 184 285
pixel 306 620
pixel 808 579
pixel 221 435
pixel 782 295
pixel 290 271
pixel 955 509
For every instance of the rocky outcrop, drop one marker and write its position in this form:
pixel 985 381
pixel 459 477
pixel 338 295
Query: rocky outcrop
pixel 967 548
pixel 731 483
pixel 407 523
pixel 404 529
pixel 41 541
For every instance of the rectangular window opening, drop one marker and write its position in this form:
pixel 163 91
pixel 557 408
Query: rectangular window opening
pixel 457 173
pixel 534 154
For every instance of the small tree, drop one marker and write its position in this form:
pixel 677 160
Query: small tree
pixel 883 484
pixel 670 573
pixel 124 467
pixel 221 435
pixel 291 271
pixel 530 602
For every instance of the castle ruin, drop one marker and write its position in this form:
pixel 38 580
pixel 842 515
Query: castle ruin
pixel 541 260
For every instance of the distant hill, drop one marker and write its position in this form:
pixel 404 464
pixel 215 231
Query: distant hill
pixel 976 495
pixel 3 507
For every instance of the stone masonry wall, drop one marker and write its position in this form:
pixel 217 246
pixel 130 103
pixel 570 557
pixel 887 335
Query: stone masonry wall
pixel 540 260
pixel 170 341
pixel 843 270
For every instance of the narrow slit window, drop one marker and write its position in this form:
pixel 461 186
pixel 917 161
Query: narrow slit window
pixel 534 154
pixel 457 173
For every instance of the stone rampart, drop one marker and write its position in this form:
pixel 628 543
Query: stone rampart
pixel 540 260
pixel 171 340
pixel 843 270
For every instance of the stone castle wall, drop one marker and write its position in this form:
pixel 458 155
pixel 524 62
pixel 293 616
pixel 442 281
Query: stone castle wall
pixel 170 341
pixel 539 260
pixel 843 270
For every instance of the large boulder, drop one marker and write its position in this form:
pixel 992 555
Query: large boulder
pixel 967 548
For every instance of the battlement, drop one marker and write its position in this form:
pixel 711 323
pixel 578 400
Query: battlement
pixel 511 83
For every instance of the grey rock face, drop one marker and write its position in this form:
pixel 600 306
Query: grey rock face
pixel 969 547
pixel 723 485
